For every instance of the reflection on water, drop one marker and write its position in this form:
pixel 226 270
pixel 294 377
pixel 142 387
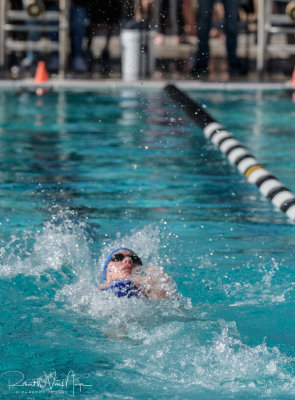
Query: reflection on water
pixel 82 174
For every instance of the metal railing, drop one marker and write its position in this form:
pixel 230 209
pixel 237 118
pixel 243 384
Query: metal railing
pixel 270 24
pixel 48 21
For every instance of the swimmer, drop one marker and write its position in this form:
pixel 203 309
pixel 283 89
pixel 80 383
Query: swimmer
pixel 124 276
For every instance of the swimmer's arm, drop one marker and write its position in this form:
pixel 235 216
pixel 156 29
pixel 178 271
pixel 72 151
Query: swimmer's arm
pixel 153 292
pixel 149 288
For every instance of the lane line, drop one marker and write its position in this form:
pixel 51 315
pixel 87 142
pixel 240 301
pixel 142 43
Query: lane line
pixel 236 153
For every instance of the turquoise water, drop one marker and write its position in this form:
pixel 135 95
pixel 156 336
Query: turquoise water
pixel 84 172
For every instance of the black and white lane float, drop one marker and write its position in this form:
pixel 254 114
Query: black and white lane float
pixel 237 154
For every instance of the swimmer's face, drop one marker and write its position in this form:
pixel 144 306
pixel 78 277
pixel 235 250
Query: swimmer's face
pixel 120 268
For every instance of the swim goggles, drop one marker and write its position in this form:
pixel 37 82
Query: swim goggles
pixel 120 257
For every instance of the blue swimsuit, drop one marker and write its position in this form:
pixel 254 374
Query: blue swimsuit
pixel 123 288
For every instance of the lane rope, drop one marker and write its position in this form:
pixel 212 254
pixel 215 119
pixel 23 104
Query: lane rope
pixel 236 153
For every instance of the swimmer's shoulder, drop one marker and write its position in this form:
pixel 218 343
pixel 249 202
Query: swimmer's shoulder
pixel 103 286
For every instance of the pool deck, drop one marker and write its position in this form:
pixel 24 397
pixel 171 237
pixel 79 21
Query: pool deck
pixel 56 85
pixel 172 65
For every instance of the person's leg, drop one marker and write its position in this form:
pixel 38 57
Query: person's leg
pixel 231 27
pixel 164 9
pixel 180 18
pixel 173 16
pixel 78 29
pixel 204 16
pixel 160 18
pixel 52 64
pixel 176 18
pixel 105 57
pixel 156 15
pixel 108 34
pixel 53 35
pixel 33 36
pixel 78 19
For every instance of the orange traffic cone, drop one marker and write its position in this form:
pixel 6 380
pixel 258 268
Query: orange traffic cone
pixel 293 85
pixel 41 76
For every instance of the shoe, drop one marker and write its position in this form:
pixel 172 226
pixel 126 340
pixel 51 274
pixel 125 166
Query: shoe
pixel 53 63
pixel 200 71
pixel 105 55
pixel 182 39
pixel 105 62
pixel 27 62
pixel 79 64
pixel 237 69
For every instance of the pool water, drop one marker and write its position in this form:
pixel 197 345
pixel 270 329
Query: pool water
pixel 82 173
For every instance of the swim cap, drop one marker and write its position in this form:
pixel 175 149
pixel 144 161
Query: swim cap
pixel 105 265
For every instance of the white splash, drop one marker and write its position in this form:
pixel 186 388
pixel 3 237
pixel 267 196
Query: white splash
pixel 60 243
pixel 267 289
pixel 121 315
